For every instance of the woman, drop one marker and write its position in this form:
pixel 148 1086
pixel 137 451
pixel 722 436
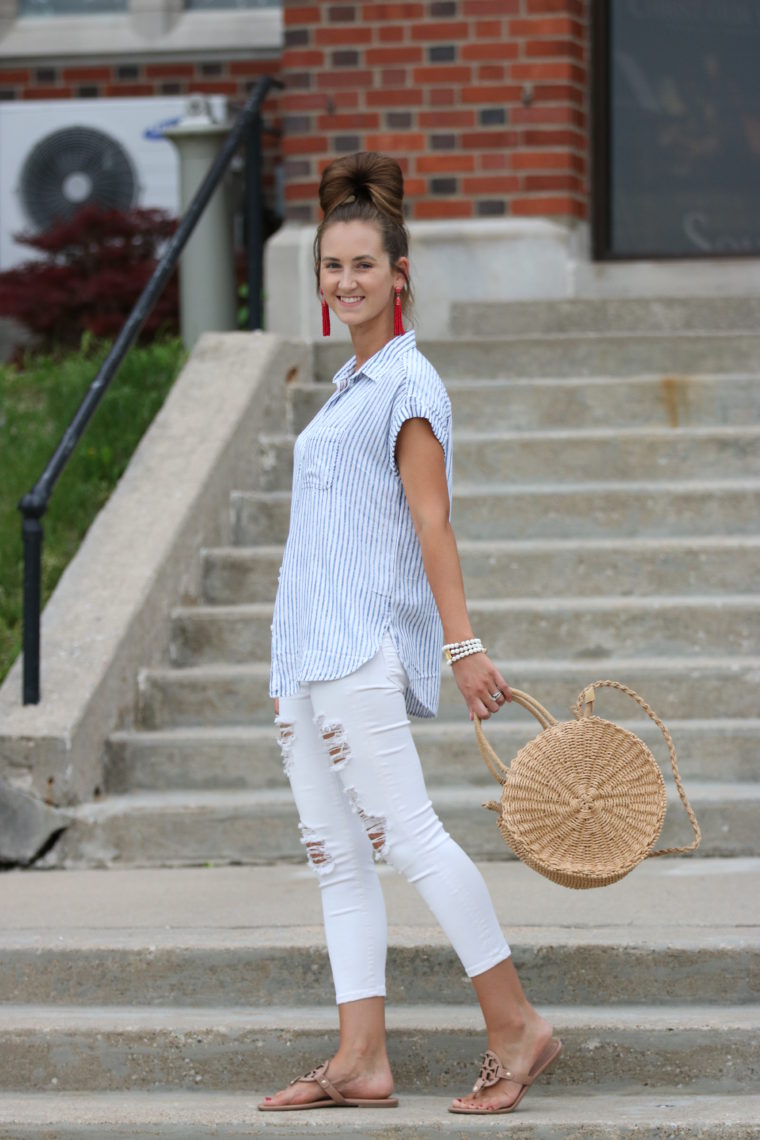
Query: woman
pixel 370 580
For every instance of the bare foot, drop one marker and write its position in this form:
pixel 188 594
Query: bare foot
pixel 371 1083
pixel 518 1053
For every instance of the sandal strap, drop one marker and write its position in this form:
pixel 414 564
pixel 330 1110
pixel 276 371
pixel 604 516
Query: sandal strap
pixel 320 1076
pixel 492 1071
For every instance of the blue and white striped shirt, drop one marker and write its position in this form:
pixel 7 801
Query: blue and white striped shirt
pixel 352 567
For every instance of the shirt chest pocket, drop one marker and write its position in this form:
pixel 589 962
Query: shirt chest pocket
pixel 317 455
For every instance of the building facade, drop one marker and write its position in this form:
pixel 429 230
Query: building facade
pixel 540 139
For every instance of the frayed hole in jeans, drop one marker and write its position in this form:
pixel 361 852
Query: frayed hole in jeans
pixel 318 855
pixel 334 736
pixel 374 825
pixel 287 737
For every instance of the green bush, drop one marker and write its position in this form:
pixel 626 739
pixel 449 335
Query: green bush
pixel 37 401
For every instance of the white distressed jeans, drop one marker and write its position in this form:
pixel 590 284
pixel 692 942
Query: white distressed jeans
pixel 358 785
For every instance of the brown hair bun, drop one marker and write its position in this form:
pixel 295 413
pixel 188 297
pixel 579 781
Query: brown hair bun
pixel 367 177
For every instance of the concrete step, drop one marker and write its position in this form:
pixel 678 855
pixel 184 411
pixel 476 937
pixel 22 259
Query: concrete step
pixel 588 510
pixel 671 401
pixel 236 936
pixel 677 687
pixel 492 455
pixel 708 1049
pixel 608 510
pixel 587 629
pixel 186 828
pixel 196 1116
pixel 574 355
pixel 534 404
pixel 278 967
pixel 546 1115
pixel 274 469
pixel 247 756
pixel 605 315
pixel 542 568
pixel 610 454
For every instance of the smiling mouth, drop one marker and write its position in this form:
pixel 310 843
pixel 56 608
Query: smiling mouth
pixel 350 300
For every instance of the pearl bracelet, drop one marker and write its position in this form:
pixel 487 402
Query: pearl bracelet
pixel 456 650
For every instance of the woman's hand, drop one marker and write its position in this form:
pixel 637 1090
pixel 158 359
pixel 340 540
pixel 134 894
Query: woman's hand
pixel 481 684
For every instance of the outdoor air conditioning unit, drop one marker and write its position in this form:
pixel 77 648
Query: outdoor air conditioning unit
pixel 57 156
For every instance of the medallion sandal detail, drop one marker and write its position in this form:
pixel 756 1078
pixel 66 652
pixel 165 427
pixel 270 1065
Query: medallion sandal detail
pixel 333 1099
pixel 492 1071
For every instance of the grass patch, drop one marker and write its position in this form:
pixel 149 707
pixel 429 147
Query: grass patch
pixel 37 402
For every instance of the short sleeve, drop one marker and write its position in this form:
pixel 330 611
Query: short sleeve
pixel 427 400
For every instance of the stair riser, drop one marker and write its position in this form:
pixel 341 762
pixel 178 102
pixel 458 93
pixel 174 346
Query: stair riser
pixel 665 401
pixel 229 1058
pixel 204 637
pixel 275 464
pixel 448 757
pixel 556 461
pixel 421 975
pixel 552 513
pixel 192 836
pixel 686 693
pixel 555 513
pixel 250 576
pixel 572 356
pixel 181 699
pixel 511 460
pixel 604 315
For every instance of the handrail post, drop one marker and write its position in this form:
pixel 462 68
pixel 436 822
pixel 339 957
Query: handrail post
pixel 32 510
pixel 254 243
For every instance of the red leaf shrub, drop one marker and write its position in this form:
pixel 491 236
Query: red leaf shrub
pixel 94 268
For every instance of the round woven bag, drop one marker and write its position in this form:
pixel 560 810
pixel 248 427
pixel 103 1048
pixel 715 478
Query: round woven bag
pixel 584 802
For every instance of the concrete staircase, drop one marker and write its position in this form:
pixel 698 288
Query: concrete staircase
pixel 607 498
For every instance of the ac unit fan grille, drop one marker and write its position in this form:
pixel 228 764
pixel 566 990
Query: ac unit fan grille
pixel 71 168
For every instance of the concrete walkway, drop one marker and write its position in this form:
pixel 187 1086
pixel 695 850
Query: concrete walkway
pixel 678 898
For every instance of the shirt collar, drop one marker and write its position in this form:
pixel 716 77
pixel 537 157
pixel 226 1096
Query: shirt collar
pixel 379 365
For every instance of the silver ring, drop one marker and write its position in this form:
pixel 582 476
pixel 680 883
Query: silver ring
pixel 495 696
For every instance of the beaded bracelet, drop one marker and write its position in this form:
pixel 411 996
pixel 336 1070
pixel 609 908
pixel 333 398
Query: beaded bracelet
pixel 456 650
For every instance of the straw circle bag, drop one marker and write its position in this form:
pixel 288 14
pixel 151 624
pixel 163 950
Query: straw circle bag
pixel 584 802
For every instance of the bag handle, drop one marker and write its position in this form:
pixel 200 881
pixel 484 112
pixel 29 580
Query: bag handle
pixel 584 706
pixel 497 768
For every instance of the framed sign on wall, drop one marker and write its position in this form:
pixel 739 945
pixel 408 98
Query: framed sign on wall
pixel 676 128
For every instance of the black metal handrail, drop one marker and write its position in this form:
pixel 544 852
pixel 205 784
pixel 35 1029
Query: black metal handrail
pixel 246 130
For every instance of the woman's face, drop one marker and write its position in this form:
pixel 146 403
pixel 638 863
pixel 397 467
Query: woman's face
pixel 355 274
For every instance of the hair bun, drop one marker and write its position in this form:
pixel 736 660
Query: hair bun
pixel 366 176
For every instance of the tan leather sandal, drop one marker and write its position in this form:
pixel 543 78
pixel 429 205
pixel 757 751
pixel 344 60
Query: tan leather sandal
pixel 492 1071
pixel 333 1099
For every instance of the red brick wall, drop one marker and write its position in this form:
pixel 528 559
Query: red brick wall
pixel 126 78
pixel 483 102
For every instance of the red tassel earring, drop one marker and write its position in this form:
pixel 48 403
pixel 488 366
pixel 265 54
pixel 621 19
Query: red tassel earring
pixel 398 324
pixel 325 316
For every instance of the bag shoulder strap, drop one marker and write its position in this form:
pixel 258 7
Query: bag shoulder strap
pixel 586 698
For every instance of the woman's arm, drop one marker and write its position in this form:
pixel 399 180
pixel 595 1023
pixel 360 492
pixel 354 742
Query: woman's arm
pixel 423 473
